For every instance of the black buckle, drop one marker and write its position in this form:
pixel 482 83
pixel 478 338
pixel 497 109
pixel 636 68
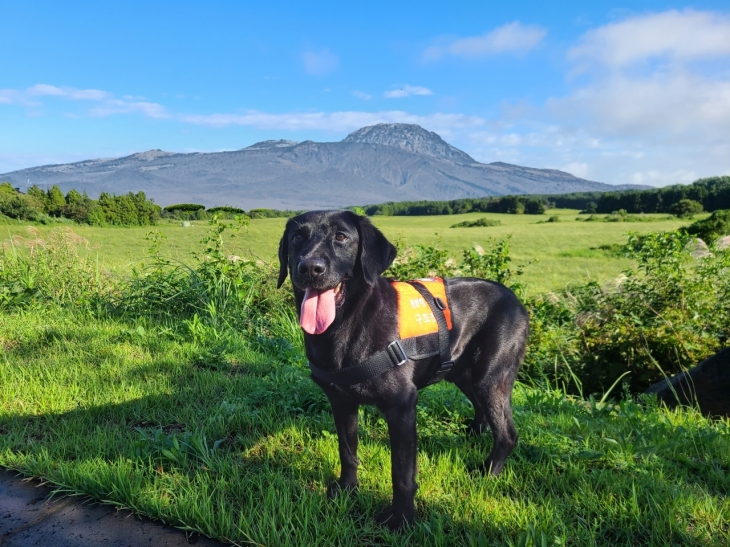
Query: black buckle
pixel 439 303
pixel 446 366
pixel 400 359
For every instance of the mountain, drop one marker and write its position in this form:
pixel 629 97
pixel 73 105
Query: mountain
pixel 384 162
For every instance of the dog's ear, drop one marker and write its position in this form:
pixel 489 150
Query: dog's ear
pixel 283 257
pixel 376 252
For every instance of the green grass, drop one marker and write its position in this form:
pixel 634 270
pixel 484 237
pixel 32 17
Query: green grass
pixel 130 413
pixel 560 252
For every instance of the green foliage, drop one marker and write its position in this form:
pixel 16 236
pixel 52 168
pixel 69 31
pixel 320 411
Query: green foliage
pixel 666 314
pixel 36 271
pixel 591 207
pixel 622 216
pixel 184 207
pixel 227 209
pixel 712 193
pixel 686 208
pixel 478 223
pixel 431 261
pixel 126 210
pixel 716 225
pixel 272 213
pixel 504 204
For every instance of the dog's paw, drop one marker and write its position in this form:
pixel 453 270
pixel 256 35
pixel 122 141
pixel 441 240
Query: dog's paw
pixel 394 519
pixel 475 430
pixel 335 488
pixel 488 468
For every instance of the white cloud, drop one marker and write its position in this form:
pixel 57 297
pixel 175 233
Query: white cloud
pixel 44 89
pixel 663 104
pixel 39 90
pixel 344 121
pixel 8 96
pixel 362 95
pixel 407 91
pixel 510 38
pixel 320 62
pixel 117 106
pixel 106 103
pixel 88 94
pixel 679 35
pixel 648 109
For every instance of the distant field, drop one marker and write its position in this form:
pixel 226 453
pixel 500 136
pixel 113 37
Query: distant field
pixel 562 252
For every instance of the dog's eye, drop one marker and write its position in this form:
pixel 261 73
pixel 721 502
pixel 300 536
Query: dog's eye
pixel 296 238
pixel 340 236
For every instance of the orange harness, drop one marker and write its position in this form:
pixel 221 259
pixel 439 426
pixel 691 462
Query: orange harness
pixel 415 317
pixel 424 322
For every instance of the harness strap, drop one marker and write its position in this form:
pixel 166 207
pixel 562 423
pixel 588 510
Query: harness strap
pixel 437 307
pixel 399 352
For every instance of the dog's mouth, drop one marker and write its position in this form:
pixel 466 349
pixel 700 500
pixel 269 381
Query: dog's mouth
pixel 320 306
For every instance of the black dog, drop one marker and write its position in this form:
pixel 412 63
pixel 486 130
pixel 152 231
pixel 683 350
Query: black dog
pixel 349 313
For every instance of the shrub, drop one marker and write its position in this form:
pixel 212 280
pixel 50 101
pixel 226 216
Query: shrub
pixel 52 269
pixel 716 225
pixel 686 208
pixel 478 223
pixel 185 207
pixel 666 314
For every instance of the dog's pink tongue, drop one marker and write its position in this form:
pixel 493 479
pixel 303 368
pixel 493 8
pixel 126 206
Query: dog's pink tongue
pixel 318 310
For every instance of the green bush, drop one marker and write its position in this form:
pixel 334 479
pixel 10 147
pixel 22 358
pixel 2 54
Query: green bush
pixel 478 223
pixel 185 207
pixel 666 314
pixel 716 225
pixel 686 208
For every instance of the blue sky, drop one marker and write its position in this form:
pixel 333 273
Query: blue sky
pixel 618 93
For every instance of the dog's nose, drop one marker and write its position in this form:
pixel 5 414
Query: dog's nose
pixel 314 267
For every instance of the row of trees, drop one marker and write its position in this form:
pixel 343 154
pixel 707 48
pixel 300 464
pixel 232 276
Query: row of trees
pixel 712 193
pixel 504 204
pixel 196 211
pixel 43 205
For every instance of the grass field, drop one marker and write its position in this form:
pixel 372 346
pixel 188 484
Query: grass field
pixel 561 253
pixel 207 419
pixel 242 449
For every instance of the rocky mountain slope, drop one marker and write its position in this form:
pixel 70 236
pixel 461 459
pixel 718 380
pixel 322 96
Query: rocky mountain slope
pixel 384 162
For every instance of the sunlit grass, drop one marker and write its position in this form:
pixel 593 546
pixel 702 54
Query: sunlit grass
pixel 559 252
pixel 131 416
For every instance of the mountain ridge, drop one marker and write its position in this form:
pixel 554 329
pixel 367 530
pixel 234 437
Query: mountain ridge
pixel 374 164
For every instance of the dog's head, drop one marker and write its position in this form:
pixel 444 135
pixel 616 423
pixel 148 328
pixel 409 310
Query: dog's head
pixel 325 252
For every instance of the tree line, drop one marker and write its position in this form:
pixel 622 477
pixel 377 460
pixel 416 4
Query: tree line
pixel 503 204
pixel 709 194
pixel 196 211
pixel 712 193
pixel 44 205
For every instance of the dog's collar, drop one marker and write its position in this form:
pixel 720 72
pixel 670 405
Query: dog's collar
pixel 399 352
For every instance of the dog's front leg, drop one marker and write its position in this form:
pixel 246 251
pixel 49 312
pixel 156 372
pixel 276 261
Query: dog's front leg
pixel 401 419
pixel 345 413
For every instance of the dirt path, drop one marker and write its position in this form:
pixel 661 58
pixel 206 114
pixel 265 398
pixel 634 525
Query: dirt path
pixel 28 517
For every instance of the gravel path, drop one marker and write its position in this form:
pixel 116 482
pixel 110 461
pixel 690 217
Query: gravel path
pixel 30 517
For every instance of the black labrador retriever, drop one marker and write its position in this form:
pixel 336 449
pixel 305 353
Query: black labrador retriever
pixel 349 312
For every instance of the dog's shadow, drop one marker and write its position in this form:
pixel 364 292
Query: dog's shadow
pixel 276 426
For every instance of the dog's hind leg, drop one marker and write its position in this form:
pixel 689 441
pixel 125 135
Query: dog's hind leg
pixel 497 404
pixel 480 423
